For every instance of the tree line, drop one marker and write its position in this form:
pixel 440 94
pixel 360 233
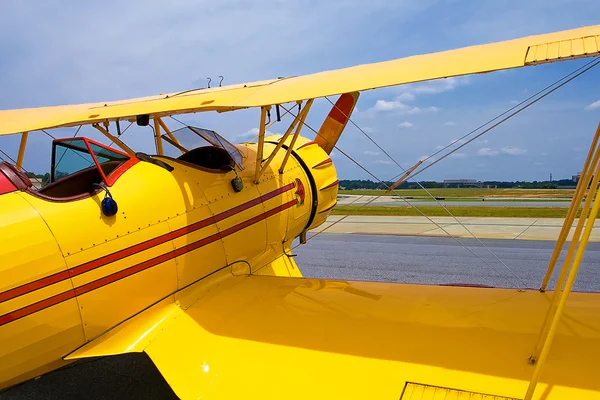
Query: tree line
pixel 354 184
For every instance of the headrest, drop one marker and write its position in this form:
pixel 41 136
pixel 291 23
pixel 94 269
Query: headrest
pixel 16 177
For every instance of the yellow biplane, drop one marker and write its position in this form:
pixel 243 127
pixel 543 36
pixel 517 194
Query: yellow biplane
pixel 202 279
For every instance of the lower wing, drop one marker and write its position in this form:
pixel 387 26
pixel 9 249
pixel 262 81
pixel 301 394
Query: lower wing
pixel 251 336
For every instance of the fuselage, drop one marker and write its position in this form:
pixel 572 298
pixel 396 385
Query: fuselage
pixel 68 273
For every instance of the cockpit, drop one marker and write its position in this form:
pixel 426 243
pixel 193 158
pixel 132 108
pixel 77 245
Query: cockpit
pixel 79 163
pixel 205 149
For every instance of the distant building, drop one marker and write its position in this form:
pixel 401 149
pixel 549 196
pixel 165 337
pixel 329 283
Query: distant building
pixel 37 182
pixel 462 183
pixel 575 178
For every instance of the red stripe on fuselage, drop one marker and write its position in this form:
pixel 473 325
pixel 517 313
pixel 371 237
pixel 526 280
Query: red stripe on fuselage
pixel 88 287
pixel 118 255
pixel 332 184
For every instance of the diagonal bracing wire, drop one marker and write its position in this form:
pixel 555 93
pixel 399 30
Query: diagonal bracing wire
pixel 580 71
pixel 525 104
pixel 417 209
pixel 435 199
pixel 506 112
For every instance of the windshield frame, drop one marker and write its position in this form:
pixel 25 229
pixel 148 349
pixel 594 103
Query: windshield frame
pixel 109 180
pixel 212 138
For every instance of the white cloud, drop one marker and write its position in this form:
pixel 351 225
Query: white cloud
pixel 405 124
pixel 538 164
pixel 513 102
pixel 593 106
pixel 406 96
pixel 486 151
pixel 370 153
pixel 458 155
pixel 484 141
pixel 513 151
pixel 510 150
pixel 386 162
pixel 251 133
pixel 449 123
pixel 368 129
pixel 439 85
pixel 423 158
pixel 399 107
pixel 383 105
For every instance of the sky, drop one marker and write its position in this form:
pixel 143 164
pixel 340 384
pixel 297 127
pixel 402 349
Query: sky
pixel 70 52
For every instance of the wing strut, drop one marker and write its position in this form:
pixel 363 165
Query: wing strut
pixel 261 142
pixel 22 146
pixel 174 140
pixel 559 299
pixel 114 139
pixel 281 142
pixel 157 138
pixel 301 119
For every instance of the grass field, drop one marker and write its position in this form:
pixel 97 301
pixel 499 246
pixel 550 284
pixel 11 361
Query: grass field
pixel 468 192
pixel 505 212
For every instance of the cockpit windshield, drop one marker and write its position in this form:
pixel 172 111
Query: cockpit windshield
pixel 70 157
pixel 73 155
pixel 191 137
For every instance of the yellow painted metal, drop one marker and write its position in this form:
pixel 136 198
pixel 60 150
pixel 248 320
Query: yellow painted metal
pixel 141 217
pixel 582 186
pixel 469 60
pixel 189 197
pixel 261 142
pixel 325 179
pixel 301 118
pixel 170 134
pixel 284 265
pixel 22 147
pixel 157 138
pixel 115 140
pixel 595 169
pixel 240 336
pixel 34 344
pixel 564 295
pixel 404 176
pixel 293 220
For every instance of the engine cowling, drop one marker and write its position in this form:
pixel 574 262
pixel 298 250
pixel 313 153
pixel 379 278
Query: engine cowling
pixel 321 173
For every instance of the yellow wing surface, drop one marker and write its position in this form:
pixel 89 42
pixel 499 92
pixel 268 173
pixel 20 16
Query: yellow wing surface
pixel 533 50
pixel 246 336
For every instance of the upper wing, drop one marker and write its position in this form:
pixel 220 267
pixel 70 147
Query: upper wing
pixel 581 42
pixel 250 337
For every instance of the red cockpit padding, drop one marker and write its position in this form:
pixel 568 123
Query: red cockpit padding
pixel 12 179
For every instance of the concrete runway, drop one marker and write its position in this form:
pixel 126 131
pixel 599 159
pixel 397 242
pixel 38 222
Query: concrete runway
pixel 461 227
pixel 339 256
pixel 392 201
